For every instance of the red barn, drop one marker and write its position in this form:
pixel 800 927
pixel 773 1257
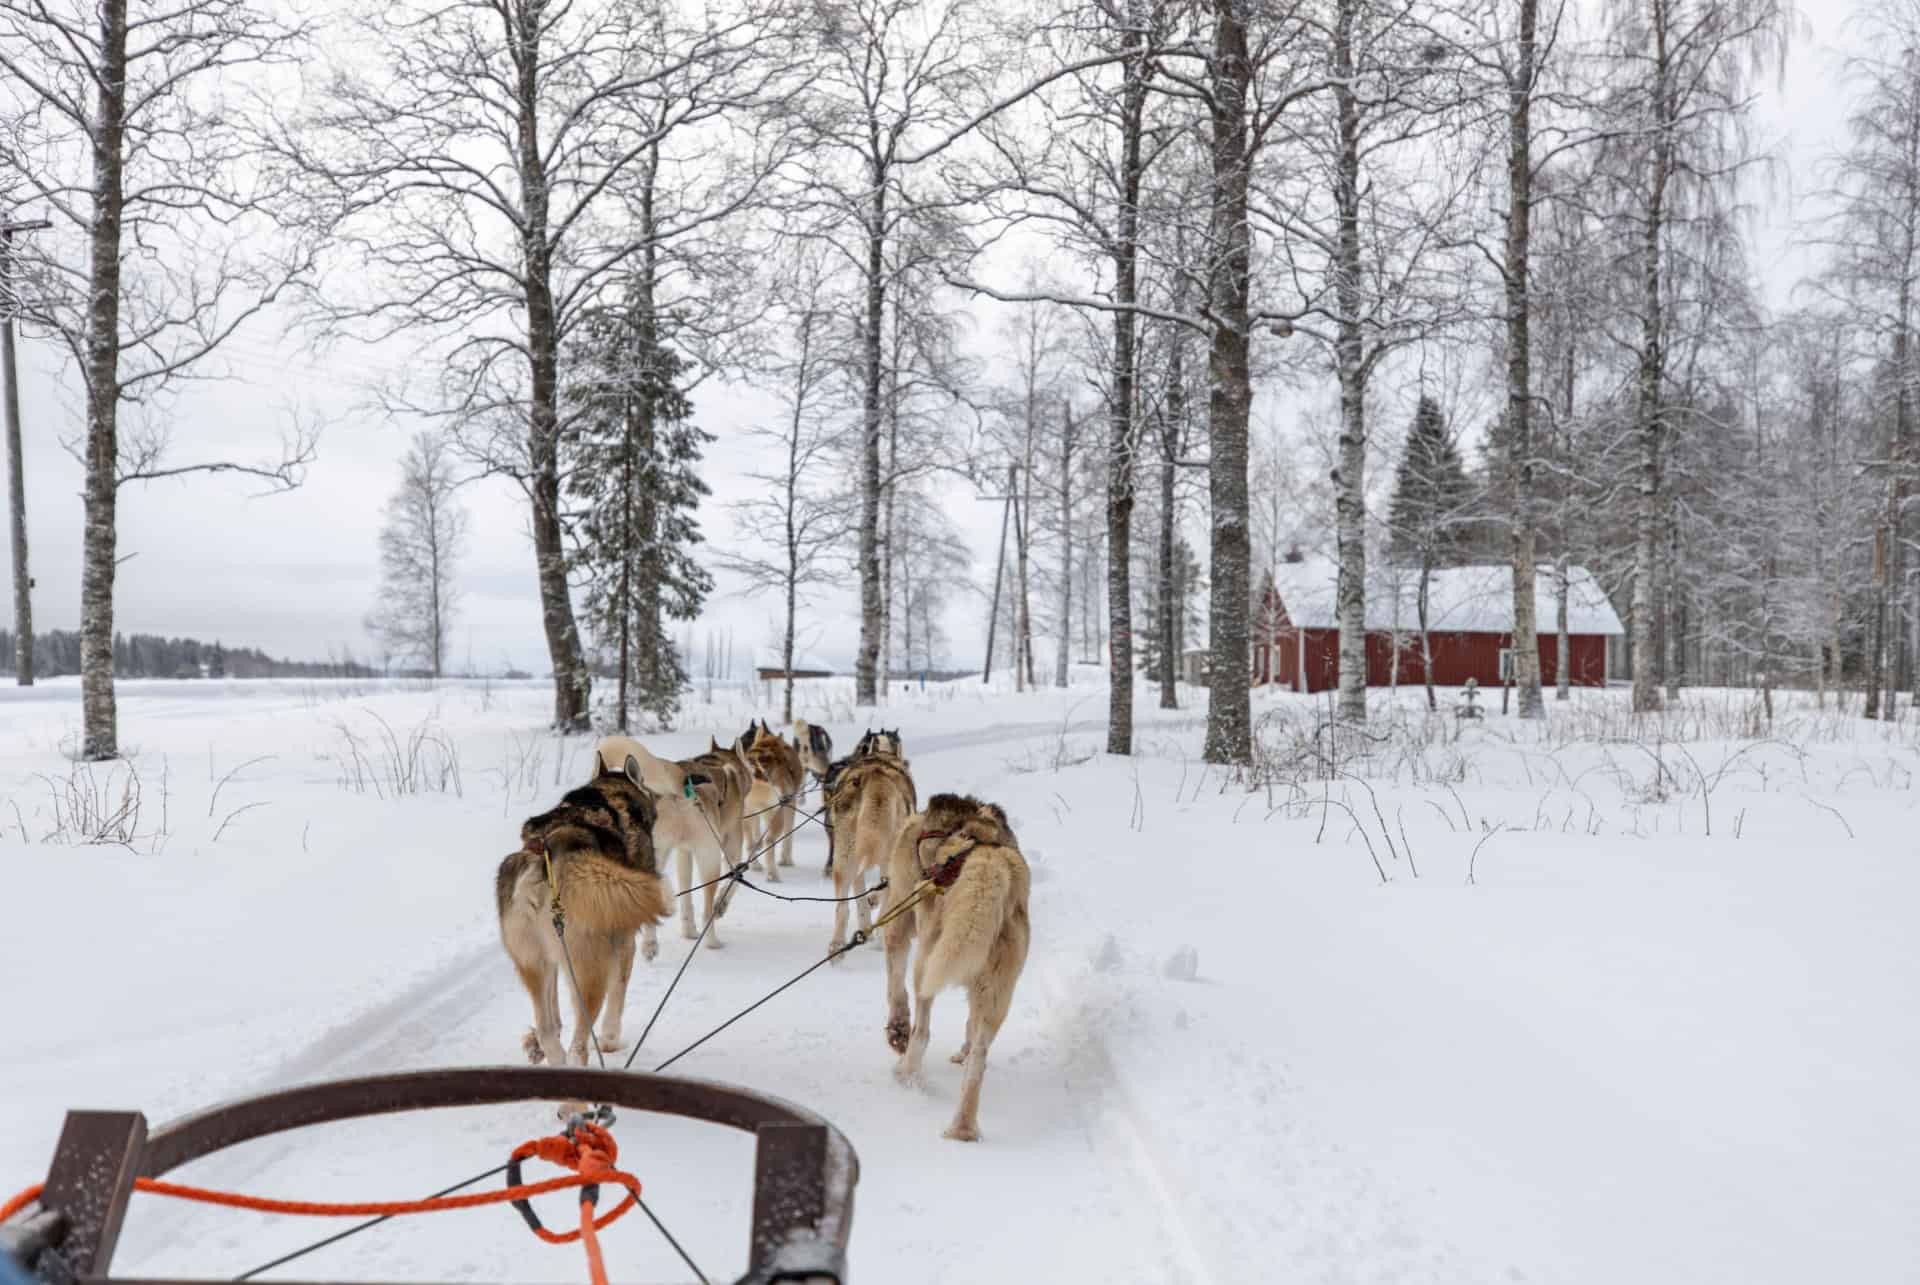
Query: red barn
pixel 1469 626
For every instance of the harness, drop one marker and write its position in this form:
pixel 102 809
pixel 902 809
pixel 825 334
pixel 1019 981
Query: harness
pixel 943 875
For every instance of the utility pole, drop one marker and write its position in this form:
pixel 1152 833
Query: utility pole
pixel 999 567
pixel 16 461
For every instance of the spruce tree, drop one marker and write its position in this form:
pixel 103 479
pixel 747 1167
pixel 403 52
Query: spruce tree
pixel 1431 518
pixel 633 456
pixel 1430 523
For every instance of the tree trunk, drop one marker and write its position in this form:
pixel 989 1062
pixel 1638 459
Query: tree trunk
pixel 1120 448
pixel 16 478
pixel 1350 364
pixel 623 706
pixel 99 719
pixel 1676 614
pixel 1172 607
pixel 865 685
pixel 1066 547
pixel 1426 639
pixel 1526 647
pixel 1230 399
pixel 1023 523
pixel 1563 649
pixel 571 678
pixel 1649 416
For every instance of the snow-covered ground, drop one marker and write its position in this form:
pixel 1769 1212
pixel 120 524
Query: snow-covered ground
pixel 1660 1028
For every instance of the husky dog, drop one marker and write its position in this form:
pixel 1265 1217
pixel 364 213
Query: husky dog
pixel 867 799
pixel 884 740
pixel 595 851
pixel 974 935
pixel 815 746
pixel 700 804
pixel 773 811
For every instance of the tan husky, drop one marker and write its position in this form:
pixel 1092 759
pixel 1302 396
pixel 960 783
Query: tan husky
pixel 597 848
pixel 974 935
pixel 700 802
pixel 867 801
pixel 773 805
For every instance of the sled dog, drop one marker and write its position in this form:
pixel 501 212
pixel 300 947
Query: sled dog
pixel 596 851
pixel 773 808
pixel 974 935
pixel 866 802
pixel 700 802
pixel 816 747
pixel 884 740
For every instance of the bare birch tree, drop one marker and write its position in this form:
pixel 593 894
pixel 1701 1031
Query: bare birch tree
pixel 1369 211
pixel 792 516
pixel 479 157
pixel 890 77
pixel 1679 104
pixel 421 545
pixel 1873 237
pixel 166 241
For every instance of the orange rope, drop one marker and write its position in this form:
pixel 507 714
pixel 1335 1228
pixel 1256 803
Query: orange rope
pixel 590 1238
pixel 591 1157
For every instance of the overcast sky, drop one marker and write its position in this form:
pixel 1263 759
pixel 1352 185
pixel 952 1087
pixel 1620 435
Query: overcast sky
pixel 294 574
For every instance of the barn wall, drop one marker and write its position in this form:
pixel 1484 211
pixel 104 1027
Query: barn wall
pixel 1456 658
pixel 1283 659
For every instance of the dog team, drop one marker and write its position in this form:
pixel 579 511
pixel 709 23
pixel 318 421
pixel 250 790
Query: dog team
pixel 955 883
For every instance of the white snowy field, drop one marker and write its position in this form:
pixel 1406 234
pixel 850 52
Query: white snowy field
pixel 1270 1030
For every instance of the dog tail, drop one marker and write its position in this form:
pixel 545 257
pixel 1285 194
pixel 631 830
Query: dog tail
pixel 977 908
pixel 602 896
pixel 598 895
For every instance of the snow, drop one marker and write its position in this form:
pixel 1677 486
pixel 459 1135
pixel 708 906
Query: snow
pixel 1473 599
pixel 1664 1034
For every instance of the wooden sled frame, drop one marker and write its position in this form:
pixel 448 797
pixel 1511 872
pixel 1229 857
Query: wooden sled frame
pixel 804 1168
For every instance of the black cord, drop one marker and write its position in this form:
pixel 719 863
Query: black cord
pixel 747 862
pixel 662 1005
pixel 684 1256
pixel 357 1228
pixel 858 939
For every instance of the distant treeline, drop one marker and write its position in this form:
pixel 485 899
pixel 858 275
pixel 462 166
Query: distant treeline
pixel 151 656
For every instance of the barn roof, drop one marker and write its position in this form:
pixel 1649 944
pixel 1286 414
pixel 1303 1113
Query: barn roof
pixel 1475 599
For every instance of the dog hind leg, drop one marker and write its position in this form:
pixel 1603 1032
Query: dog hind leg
pixel 987 1005
pixel 683 875
pixel 908 1069
pixel 616 1001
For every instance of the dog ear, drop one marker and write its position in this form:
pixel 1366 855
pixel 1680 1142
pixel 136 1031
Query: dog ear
pixel 632 766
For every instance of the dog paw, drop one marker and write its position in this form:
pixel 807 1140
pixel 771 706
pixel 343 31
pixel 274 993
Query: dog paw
pixel 897 1031
pixel 959 1057
pixel 689 931
pixel 786 861
pixel 650 950
pixel 907 1077
pixel 714 943
pixel 962 1133
pixel 530 1045
pixel 614 1043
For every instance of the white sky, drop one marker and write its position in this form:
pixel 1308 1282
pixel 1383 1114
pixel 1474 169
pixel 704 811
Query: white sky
pixel 294 574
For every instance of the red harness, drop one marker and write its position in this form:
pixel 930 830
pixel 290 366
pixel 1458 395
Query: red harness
pixel 947 871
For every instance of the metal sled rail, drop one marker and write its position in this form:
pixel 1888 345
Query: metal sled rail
pixel 804 1168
